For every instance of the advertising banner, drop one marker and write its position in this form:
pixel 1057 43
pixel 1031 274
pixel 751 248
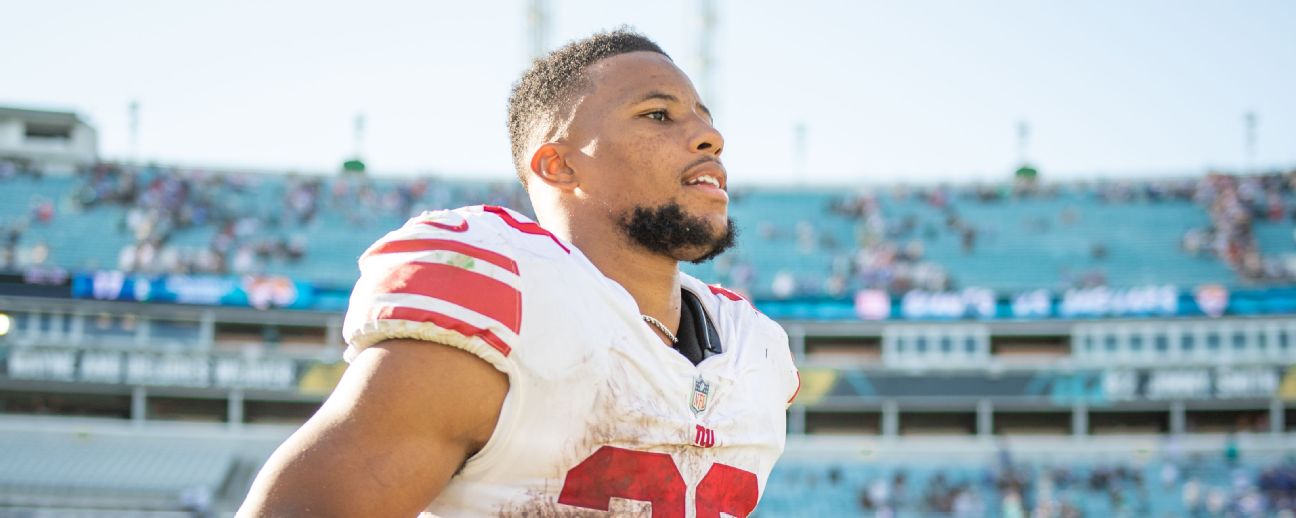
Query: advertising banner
pixel 1091 387
pixel 169 369
pixel 1163 300
pixel 262 292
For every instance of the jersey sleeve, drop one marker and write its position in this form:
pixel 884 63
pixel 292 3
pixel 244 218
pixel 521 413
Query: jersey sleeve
pixel 446 277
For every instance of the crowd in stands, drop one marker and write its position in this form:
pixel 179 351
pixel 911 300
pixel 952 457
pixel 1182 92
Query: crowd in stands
pixel 886 249
pixel 1235 203
pixel 247 232
pixel 158 203
pixel 10 236
pixel 888 252
pixel 1196 487
pixel 40 211
pixel 239 230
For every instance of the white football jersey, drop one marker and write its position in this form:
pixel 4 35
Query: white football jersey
pixel 600 414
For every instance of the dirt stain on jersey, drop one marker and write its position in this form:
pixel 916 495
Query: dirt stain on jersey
pixel 542 503
pixel 630 411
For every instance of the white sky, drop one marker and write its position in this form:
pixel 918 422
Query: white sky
pixel 913 90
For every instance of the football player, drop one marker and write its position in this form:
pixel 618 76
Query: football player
pixel 502 366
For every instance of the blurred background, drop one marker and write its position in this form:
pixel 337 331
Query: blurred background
pixel 1035 258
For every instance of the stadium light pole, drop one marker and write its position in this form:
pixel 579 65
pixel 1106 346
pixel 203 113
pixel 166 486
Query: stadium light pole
pixel 537 28
pixel 1023 137
pixel 707 19
pixel 799 152
pixel 359 129
pixel 1249 123
pixel 133 121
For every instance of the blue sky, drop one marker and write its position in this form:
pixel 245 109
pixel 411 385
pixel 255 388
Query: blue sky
pixel 893 91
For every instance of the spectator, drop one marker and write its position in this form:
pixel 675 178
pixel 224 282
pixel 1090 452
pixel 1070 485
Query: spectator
pixel 1098 251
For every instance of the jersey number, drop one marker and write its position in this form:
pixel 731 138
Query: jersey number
pixel 653 477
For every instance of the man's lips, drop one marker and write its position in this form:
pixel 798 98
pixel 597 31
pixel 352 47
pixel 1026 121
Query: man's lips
pixel 707 188
pixel 706 172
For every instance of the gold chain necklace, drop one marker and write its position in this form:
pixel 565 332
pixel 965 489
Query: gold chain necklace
pixel 661 327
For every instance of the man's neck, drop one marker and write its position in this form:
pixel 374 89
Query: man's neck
pixel 653 280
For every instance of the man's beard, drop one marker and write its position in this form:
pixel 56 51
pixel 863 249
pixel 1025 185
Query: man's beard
pixel 668 230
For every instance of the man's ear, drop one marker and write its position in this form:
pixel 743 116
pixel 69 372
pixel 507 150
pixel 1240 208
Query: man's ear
pixel 551 168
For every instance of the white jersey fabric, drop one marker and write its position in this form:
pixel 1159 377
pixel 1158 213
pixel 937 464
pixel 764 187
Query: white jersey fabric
pixel 600 414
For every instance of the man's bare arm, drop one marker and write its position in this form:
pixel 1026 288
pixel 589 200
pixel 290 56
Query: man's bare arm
pixel 402 420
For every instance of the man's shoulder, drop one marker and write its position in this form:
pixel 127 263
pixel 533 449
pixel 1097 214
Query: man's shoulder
pixel 498 230
pixel 755 338
pixel 448 276
pixel 728 305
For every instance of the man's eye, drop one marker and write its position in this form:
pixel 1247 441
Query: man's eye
pixel 658 115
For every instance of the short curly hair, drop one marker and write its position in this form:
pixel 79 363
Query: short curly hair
pixel 545 89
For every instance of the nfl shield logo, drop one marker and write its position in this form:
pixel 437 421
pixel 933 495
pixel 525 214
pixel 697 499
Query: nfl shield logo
pixel 701 392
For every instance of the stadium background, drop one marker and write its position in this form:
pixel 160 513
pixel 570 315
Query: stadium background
pixel 1023 344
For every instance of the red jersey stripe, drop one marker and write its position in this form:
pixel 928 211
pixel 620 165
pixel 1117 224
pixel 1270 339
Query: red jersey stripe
pixel 725 293
pixel 461 227
pixel 426 245
pixel 525 228
pixel 471 290
pixel 730 294
pixel 445 321
pixel 798 389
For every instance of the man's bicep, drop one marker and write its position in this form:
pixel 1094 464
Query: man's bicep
pixel 402 420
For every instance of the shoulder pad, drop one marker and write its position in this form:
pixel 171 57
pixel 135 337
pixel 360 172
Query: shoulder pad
pixel 446 276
